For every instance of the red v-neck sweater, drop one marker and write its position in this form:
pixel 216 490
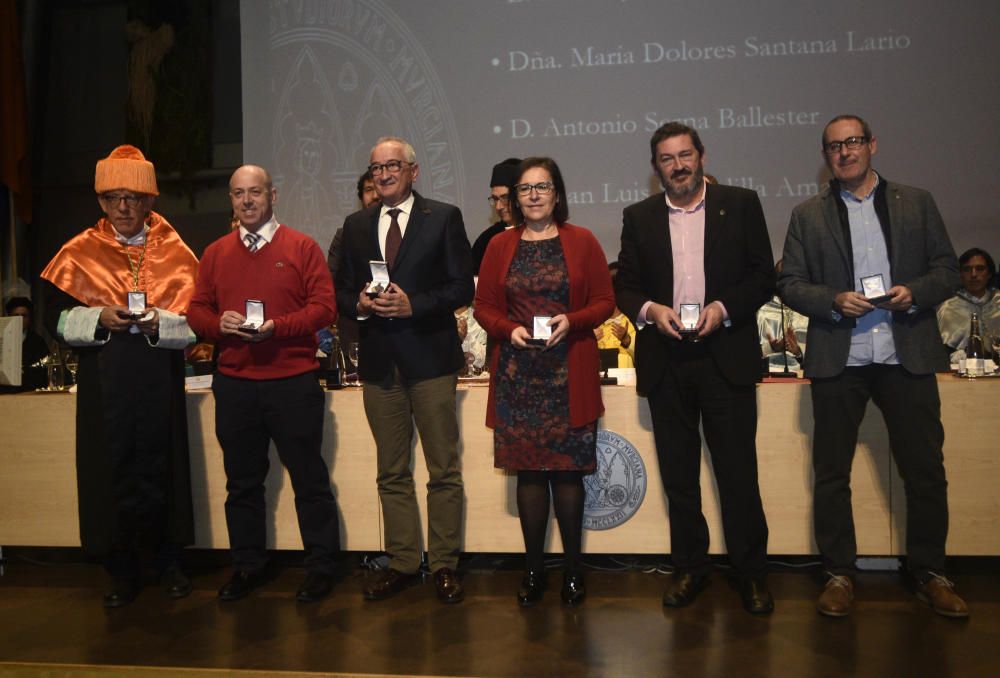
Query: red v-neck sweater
pixel 291 277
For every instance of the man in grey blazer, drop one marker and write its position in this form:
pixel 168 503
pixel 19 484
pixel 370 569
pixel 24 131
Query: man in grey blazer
pixel 886 350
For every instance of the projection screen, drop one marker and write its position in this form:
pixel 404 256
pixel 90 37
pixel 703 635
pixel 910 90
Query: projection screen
pixel 587 81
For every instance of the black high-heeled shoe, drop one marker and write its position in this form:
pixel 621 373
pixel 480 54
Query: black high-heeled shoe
pixel 532 588
pixel 573 589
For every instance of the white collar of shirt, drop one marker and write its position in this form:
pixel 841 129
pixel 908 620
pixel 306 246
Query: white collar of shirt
pixel 266 232
pixel 697 206
pixel 137 239
pixel 405 208
pixel 403 218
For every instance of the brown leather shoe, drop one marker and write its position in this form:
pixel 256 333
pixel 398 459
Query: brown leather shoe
pixel 683 588
pixel 387 583
pixel 939 593
pixel 448 586
pixel 837 598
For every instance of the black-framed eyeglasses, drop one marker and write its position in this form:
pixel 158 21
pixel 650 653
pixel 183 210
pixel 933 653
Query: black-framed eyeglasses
pixel 974 268
pixel 541 188
pixel 850 143
pixel 391 167
pixel 495 200
pixel 113 199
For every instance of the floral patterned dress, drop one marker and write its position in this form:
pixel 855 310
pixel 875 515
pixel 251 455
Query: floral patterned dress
pixel 532 429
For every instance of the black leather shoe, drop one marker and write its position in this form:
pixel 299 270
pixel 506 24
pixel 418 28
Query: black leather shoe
pixel 683 589
pixel 240 584
pixel 448 586
pixel 315 587
pixel 755 595
pixel 175 583
pixel 123 591
pixel 387 583
pixel 573 590
pixel 532 588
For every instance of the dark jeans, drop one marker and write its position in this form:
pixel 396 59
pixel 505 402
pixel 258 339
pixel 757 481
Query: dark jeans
pixel 911 408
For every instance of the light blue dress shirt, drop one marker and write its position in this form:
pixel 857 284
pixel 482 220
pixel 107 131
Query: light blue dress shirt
pixel 871 339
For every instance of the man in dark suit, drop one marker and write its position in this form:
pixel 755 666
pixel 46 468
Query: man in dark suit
pixel 863 229
pixel 409 362
pixel 703 244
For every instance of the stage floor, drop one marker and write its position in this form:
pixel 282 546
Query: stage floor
pixel 50 614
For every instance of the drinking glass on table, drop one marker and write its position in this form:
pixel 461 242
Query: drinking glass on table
pixel 55 370
pixel 72 360
pixel 352 355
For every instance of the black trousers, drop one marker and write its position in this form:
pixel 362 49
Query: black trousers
pixel 248 415
pixel 911 407
pixel 693 390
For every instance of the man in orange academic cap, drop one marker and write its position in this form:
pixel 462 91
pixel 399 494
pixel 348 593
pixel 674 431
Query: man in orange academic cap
pixel 116 293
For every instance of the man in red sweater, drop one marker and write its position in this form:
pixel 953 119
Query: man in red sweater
pixel 265 386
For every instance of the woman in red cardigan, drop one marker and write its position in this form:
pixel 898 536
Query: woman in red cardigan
pixel 545 276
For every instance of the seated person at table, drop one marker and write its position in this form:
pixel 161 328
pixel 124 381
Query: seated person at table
pixel 979 294
pixel 33 348
pixel 617 331
pixel 782 334
pixel 473 340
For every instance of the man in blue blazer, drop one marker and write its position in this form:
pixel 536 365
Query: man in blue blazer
pixel 861 233
pixel 410 355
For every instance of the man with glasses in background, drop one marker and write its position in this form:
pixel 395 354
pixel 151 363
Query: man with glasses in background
pixel 409 361
pixel 347 327
pixel 500 182
pixel 864 233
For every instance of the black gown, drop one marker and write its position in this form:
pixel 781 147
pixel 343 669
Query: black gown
pixel 132 460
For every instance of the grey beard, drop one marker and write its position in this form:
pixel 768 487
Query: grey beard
pixel 691 189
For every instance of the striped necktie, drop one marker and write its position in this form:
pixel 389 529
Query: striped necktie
pixel 252 241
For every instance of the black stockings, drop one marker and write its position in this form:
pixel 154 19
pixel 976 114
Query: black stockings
pixel 533 508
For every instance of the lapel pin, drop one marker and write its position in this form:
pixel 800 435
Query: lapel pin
pixel 722 213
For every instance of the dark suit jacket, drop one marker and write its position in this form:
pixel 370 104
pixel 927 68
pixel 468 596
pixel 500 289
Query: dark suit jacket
pixel 433 267
pixel 818 264
pixel 739 272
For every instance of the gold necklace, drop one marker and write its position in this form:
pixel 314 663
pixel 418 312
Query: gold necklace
pixel 136 268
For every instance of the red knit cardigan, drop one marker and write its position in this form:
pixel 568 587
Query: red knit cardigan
pixel 591 302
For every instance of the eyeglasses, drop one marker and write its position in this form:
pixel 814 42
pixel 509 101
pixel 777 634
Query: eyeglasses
pixel 974 268
pixel 850 143
pixel 541 188
pixel 254 193
pixel 391 167
pixel 495 200
pixel 112 199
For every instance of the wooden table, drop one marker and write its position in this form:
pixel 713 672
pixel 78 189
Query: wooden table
pixel 38 480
